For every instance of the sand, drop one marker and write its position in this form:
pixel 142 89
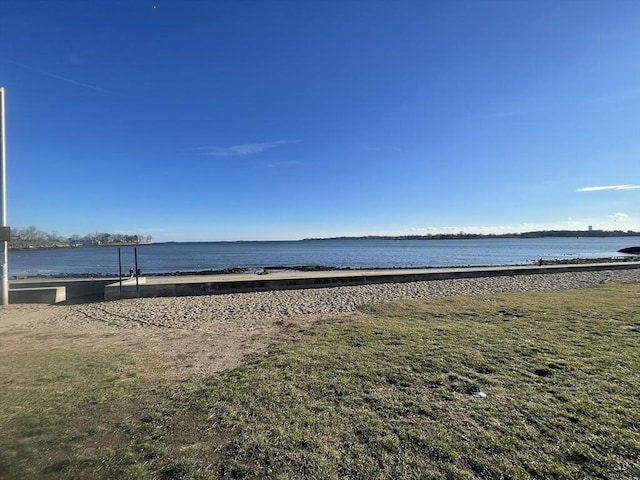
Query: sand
pixel 202 335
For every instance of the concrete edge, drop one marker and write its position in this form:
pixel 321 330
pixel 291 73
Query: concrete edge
pixel 148 289
pixel 48 295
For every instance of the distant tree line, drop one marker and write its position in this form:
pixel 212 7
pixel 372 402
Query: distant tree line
pixel 463 235
pixel 32 237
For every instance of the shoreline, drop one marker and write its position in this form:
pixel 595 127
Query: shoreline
pixel 318 268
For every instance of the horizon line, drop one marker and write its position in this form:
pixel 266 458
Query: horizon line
pixel 453 236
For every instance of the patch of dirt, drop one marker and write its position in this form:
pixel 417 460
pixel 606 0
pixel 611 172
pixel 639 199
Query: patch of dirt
pixel 183 351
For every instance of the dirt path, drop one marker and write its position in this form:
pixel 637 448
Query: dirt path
pixel 185 351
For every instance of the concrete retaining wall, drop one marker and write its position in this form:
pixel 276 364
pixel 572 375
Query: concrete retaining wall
pixel 48 295
pixel 220 284
pixel 58 290
pixel 74 288
pixel 129 289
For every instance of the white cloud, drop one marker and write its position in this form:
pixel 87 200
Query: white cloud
pixel 608 187
pixel 619 216
pixel 479 229
pixel 243 149
pixel 568 224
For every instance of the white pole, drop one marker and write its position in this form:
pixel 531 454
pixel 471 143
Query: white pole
pixel 4 284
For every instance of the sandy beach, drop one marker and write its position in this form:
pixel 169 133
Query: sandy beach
pixel 207 334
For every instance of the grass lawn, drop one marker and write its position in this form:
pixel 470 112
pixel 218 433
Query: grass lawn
pixel 386 393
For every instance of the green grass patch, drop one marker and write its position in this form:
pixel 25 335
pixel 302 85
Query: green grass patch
pixel 386 393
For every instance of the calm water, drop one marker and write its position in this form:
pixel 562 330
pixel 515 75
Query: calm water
pixel 189 257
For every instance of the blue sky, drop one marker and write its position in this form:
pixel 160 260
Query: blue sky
pixel 282 119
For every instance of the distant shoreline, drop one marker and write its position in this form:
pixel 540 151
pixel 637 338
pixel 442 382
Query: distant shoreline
pixel 56 246
pixel 39 245
pixel 465 236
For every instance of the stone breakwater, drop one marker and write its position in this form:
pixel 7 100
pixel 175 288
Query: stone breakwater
pixel 259 310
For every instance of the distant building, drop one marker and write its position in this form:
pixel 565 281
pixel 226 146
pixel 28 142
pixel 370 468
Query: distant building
pixel 591 228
